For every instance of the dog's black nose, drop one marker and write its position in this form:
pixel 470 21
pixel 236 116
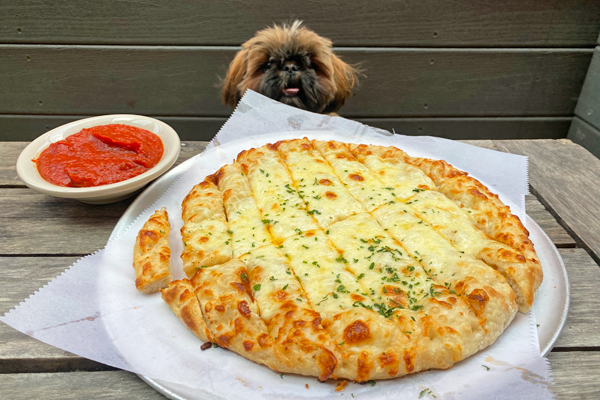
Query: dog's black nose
pixel 290 67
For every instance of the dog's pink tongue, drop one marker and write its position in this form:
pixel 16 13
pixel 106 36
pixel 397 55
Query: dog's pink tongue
pixel 291 91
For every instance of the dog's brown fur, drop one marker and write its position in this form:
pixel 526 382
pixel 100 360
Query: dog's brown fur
pixel 333 78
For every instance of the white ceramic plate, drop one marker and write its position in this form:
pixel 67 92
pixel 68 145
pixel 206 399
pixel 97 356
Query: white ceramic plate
pixel 551 305
pixel 106 193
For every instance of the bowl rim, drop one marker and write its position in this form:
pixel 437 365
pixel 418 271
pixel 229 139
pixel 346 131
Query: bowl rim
pixel 29 174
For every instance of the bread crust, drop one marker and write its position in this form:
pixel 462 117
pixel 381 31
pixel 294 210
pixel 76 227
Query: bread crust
pixel 152 254
pixel 351 261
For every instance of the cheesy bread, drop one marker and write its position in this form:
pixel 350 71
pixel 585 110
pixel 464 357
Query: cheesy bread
pixel 350 261
pixel 152 254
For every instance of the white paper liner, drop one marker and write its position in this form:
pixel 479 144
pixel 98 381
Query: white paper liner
pixel 93 309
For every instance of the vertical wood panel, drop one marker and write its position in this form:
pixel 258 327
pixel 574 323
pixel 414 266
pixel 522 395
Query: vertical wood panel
pixel 586 135
pixel 588 106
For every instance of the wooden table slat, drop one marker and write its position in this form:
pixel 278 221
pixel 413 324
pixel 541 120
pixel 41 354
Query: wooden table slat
pixel 548 223
pixel 574 374
pixel 76 385
pixel 9 153
pixel 582 328
pixel 77 235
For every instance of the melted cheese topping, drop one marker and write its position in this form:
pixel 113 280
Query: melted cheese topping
pixel 360 182
pixel 442 261
pixel 205 244
pixel 390 258
pixel 454 223
pixel 381 264
pixel 323 272
pixel 272 280
pixel 405 178
pixel 324 195
pixel 245 222
pixel 282 210
pixel 206 239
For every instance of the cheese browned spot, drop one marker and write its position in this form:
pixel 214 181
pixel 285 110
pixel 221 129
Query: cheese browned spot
pixel 390 360
pixel 477 299
pixel 244 309
pixel 356 332
pixel 408 361
pixel 364 367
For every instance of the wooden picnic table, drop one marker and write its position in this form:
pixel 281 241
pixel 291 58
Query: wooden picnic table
pixel 42 236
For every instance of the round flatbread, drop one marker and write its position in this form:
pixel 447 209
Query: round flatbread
pixel 352 261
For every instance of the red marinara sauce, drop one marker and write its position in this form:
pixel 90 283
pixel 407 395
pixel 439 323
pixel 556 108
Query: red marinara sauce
pixel 99 156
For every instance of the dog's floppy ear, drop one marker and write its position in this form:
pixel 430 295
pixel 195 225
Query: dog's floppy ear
pixel 345 78
pixel 230 95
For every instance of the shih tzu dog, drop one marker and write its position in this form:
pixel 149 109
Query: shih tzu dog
pixel 293 65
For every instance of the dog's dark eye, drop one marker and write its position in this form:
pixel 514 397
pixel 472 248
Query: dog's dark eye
pixel 267 66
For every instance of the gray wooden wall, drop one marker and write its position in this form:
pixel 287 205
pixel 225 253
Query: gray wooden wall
pixel 462 69
pixel 585 128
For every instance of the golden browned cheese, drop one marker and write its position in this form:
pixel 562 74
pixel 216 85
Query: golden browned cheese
pixel 152 254
pixel 350 261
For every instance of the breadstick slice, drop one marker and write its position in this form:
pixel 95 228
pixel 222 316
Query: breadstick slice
pixel 230 313
pixel 182 300
pixel 205 231
pixel 152 254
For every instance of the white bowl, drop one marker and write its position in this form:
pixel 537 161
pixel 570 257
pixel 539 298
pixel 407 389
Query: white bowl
pixel 104 194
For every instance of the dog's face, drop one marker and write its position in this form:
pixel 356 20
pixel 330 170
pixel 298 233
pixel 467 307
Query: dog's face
pixel 293 65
